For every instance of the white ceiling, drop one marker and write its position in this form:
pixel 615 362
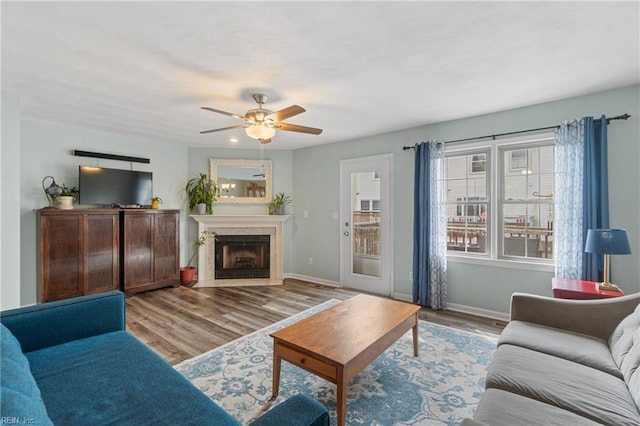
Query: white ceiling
pixel 359 68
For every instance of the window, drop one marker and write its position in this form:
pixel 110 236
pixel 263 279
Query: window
pixel 467 202
pixel 369 205
pixel 478 163
pixel 518 159
pixel 505 211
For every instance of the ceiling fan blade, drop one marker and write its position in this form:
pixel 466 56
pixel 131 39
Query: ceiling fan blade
pixel 296 128
pixel 240 126
pixel 285 113
pixel 230 114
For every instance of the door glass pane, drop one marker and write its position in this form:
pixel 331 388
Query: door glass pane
pixel 365 236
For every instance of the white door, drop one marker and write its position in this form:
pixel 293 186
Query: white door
pixel 366 250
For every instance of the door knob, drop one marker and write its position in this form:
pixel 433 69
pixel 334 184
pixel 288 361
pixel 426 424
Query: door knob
pixel 346 233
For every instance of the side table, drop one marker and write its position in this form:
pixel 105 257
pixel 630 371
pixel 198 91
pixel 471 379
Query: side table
pixel 580 290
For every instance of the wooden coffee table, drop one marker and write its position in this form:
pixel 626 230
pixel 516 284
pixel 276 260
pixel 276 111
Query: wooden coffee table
pixel 337 343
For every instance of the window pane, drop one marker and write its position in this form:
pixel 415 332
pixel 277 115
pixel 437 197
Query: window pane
pixel 467 233
pixel 461 183
pixel 518 159
pixel 467 202
pixel 478 163
pixel 528 230
pixel 527 173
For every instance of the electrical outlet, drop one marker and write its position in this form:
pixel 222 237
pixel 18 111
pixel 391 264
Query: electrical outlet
pixel 310 261
pixel 410 276
pixel 306 214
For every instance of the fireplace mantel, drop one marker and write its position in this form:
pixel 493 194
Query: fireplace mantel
pixel 241 224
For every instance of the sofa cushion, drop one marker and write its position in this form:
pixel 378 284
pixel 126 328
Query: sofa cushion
pixel 583 390
pixel 114 379
pixel 19 395
pixel 300 409
pixel 625 348
pixel 576 347
pixel 500 408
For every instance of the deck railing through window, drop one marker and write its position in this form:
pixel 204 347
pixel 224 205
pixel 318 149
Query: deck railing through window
pixel 366 233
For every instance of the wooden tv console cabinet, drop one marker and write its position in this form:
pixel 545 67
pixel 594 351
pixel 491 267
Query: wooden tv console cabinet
pixel 85 251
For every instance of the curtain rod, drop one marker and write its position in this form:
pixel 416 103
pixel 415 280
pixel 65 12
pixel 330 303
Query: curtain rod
pixel 618 117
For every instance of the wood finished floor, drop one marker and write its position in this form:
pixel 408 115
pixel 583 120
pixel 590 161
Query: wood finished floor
pixel 180 323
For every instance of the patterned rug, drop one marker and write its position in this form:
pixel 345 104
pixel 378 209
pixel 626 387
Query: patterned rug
pixel 441 386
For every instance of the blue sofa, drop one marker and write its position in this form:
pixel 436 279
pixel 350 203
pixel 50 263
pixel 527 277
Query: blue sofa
pixel 71 362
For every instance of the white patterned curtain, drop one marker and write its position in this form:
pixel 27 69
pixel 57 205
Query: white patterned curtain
pixel 438 241
pixel 568 199
pixel 430 227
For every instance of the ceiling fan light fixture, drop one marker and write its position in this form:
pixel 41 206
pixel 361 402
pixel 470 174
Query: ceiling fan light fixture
pixel 260 131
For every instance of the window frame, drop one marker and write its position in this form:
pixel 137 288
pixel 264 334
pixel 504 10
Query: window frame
pixel 495 166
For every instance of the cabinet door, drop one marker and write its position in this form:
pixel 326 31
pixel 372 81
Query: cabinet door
pixel 166 248
pixel 138 249
pixel 61 257
pixel 101 244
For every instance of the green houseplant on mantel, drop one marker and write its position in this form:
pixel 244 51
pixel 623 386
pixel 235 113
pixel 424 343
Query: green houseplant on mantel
pixel 278 203
pixel 202 192
pixel 187 273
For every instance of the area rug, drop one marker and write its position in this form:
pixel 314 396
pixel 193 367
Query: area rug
pixel 441 386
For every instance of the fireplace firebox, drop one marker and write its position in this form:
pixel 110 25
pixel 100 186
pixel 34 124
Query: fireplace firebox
pixel 242 256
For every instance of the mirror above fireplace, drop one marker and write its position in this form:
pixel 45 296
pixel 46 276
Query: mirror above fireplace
pixel 242 181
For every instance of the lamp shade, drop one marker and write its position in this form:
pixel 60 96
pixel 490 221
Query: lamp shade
pixel 607 241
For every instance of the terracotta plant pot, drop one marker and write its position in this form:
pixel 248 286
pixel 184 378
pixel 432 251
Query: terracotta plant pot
pixel 187 276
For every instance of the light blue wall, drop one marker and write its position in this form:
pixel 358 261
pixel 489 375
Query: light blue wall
pixel 311 176
pixel 282 181
pixel 46 149
pixel 9 202
pixel 485 288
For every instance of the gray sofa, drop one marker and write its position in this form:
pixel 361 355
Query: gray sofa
pixel 565 362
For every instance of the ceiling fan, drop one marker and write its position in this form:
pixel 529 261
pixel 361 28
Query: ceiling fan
pixel 263 123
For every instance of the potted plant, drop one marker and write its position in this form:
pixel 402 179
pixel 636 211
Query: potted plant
pixel 187 273
pixel 64 200
pixel 202 191
pixel 277 204
pixel 155 202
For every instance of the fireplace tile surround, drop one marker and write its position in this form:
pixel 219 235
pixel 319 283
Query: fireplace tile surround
pixel 271 225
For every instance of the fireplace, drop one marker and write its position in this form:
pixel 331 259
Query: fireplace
pixel 242 256
pixel 245 226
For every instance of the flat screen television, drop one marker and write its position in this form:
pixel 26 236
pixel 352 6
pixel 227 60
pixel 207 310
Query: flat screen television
pixel 115 187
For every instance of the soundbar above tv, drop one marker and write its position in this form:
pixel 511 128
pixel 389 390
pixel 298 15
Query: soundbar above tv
pixel 115 187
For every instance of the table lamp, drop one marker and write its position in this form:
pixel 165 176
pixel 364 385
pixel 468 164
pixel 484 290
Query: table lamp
pixel 607 242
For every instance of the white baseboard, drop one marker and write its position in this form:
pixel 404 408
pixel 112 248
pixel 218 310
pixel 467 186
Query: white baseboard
pixel 460 308
pixel 313 280
pixel 409 298
pixel 478 312
pixel 403 297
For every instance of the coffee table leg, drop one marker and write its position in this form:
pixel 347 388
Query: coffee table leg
pixel 275 389
pixel 341 400
pixel 415 337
